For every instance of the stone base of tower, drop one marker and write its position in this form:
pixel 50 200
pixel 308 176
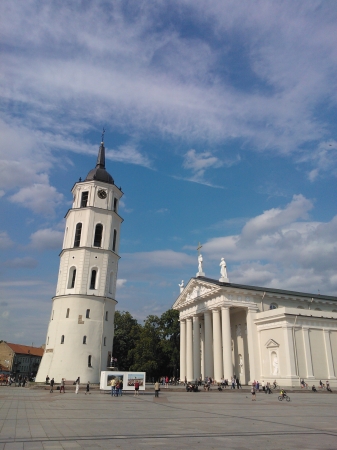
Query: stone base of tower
pixel 79 338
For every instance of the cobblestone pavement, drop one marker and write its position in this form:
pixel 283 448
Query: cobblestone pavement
pixel 33 419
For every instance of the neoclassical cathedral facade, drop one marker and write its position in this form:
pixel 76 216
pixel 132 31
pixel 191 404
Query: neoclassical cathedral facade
pixel 255 333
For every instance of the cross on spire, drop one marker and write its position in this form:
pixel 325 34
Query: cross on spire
pixel 199 247
pixel 103 135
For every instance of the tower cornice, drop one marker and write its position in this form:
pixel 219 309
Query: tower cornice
pixel 96 249
pixel 94 208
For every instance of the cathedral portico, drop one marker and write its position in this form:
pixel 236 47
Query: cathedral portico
pixel 255 333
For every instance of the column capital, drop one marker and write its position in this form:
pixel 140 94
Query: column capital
pixel 215 310
pixel 208 312
pixel 225 307
pixel 188 319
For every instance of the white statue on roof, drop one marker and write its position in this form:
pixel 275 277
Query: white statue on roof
pixel 181 285
pixel 223 271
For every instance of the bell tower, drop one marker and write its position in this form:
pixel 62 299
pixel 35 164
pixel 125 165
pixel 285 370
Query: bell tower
pixel 81 327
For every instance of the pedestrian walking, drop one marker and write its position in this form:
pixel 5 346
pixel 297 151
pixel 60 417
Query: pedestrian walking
pixel 156 389
pixel 121 388
pixel 62 386
pixel 77 382
pixel 136 388
pixel 87 391
pixel 253 394
pixel 52 385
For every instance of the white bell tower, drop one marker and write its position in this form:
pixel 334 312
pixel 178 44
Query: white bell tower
pixel 81 327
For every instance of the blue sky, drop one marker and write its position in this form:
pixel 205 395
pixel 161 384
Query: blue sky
pixel 220 123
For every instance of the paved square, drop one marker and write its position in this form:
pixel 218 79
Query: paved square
pixel 35 419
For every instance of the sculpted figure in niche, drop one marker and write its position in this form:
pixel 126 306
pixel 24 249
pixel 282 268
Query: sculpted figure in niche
pixel 275 363
pixel 241 364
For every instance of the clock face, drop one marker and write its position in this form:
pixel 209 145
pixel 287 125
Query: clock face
pixel 101 193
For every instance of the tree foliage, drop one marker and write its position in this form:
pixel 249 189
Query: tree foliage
pixel 152 348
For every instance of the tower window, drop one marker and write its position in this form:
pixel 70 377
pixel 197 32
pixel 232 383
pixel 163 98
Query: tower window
pixel 72 277
pixel 78 232
pixel 115 204
pixel 114 241
pixel 84 199
pixel 47 340
pixel 89 361
pixel 98 235
pixel 67 315
pixel 106 315
pixel 104 341
pixel 62 339
pixel 52 315
pixel 111 283
pixel 84 339
pixel 87 314
pixel 93 279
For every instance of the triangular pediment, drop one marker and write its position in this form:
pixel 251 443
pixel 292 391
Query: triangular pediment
pixel 195 290
pixel 272 344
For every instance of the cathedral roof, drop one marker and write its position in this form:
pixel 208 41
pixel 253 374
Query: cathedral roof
pixel 99 173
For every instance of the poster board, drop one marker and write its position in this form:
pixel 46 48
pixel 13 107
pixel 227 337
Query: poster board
pixel 128 379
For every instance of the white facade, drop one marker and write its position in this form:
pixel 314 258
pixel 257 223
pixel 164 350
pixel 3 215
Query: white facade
pixel 256 333
pixel 81 327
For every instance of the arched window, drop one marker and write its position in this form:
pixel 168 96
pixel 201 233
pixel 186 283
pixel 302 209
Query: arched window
pixel 84 339
pixel 115 204
pixel 89 361
pixel 72 277
pixel 62 339
pixel 93 279
pixel 98 235
pixel 273 306
pixel 114 241
pixel 78 232
pixel 67 315
pixel 106 315
pixel 87 314
pixel 111 283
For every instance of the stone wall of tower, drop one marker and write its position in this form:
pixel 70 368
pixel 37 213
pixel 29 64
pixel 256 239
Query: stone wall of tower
pixel 81 326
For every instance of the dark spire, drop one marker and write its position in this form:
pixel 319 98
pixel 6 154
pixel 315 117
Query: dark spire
pixel 99 173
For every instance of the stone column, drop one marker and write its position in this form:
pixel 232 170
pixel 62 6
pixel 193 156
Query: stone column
pixel 196 349
pixel 226 343
pixel 202 347
pixel 189 349
pixel 218 365
pixel 252 342
pixel 290 353
pixel 208 345
pixel 307 352
pixel 182 350
pixel 329 358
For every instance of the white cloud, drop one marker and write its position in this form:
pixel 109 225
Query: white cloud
pixel 140 77
pixel 121 282
pixel 26 262
pixel 40 198
pixel 281 248
pixel 46 239
pixel 5 240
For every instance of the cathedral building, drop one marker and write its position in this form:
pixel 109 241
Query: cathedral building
pixel 255 333
pixel 81 326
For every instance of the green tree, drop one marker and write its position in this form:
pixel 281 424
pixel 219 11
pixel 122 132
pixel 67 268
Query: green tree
pixel 170 340
pixel 127 331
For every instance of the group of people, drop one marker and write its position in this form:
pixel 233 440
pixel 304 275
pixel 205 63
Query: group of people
pixel 322 386
pixel 51 383
pixel 117 387
pixel 8 380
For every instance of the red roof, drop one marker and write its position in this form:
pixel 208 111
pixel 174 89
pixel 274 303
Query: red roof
pixel 26 349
